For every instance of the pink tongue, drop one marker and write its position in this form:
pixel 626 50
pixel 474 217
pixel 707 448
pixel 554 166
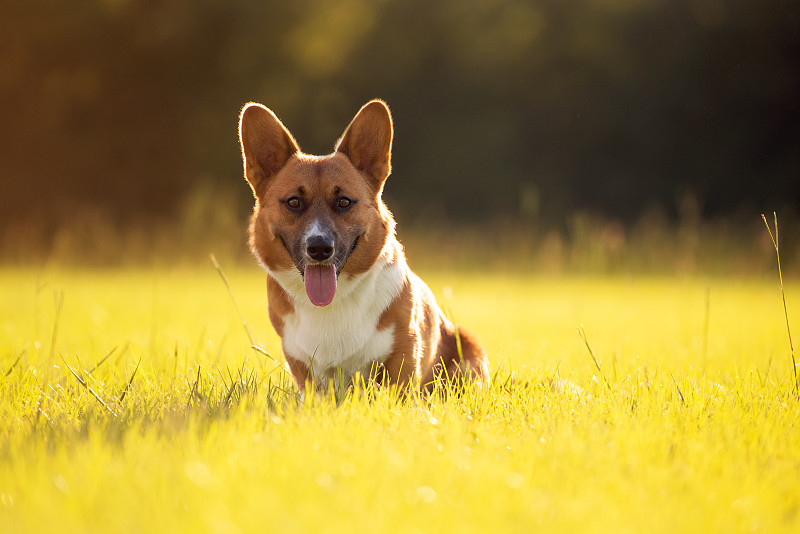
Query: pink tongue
pixel 320 283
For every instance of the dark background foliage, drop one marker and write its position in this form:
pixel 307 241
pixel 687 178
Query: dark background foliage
pixel 503 108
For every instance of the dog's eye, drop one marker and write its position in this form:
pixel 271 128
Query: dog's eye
pixel 294 203
pixel 344 203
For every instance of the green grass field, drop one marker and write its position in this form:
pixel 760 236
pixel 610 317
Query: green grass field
pixel 692 425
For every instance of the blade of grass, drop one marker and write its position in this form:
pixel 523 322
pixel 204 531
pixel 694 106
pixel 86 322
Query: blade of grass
pixel 11 368
pixel 680 393
pixel 265 353
pixel 776 244
pixel 101 362
pixel 59 301
pixel 130 381
pixel 231 389
pixel 706 323
pixel 82 382
pixel 174 366
pixel 233 299
pixel 193 390
pixel 238 310
pixel 582 333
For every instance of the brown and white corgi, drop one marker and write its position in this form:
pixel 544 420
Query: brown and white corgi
pixel 340 294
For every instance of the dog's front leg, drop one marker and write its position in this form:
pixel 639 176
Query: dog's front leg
pixel 299 372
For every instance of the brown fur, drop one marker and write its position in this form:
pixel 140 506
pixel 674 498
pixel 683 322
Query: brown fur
pixel 426 344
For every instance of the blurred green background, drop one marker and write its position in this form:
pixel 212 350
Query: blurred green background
pixel 568 125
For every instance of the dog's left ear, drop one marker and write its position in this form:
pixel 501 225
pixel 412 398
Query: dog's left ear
pixel 367 142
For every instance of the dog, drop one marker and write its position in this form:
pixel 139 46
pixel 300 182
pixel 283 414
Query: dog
pixel 340 293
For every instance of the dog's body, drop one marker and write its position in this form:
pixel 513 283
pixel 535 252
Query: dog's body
pixel 340 293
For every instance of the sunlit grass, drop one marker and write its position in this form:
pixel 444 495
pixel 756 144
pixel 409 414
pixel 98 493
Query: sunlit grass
pixel 696 428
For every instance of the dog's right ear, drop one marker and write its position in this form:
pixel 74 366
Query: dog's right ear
pixel 367 142
pixel 266 145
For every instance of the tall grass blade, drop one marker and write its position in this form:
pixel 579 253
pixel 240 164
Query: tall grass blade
pixel 238 310
pixel 229 394
pixel 776 244
pixel 130 381
pixel 193 390
pixel 706 323
pixel 11 368
pixel 59 301
pixel 680 393
pixel 233 299
pixel 582 333
pixel 101 362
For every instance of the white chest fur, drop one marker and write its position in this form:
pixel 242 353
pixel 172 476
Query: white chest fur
pixel 344 335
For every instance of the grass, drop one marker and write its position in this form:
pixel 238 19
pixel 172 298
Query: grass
pixel 776 243
pixel 133 401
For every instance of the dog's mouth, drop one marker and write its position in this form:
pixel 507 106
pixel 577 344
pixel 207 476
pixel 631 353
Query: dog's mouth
pixel 320 278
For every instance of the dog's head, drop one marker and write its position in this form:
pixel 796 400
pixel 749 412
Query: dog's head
pixel 321 216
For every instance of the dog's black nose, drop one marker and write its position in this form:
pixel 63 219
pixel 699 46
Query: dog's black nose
pixel 319 247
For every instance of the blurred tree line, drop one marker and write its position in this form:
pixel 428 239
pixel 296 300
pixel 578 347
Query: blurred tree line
pixel 503 108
